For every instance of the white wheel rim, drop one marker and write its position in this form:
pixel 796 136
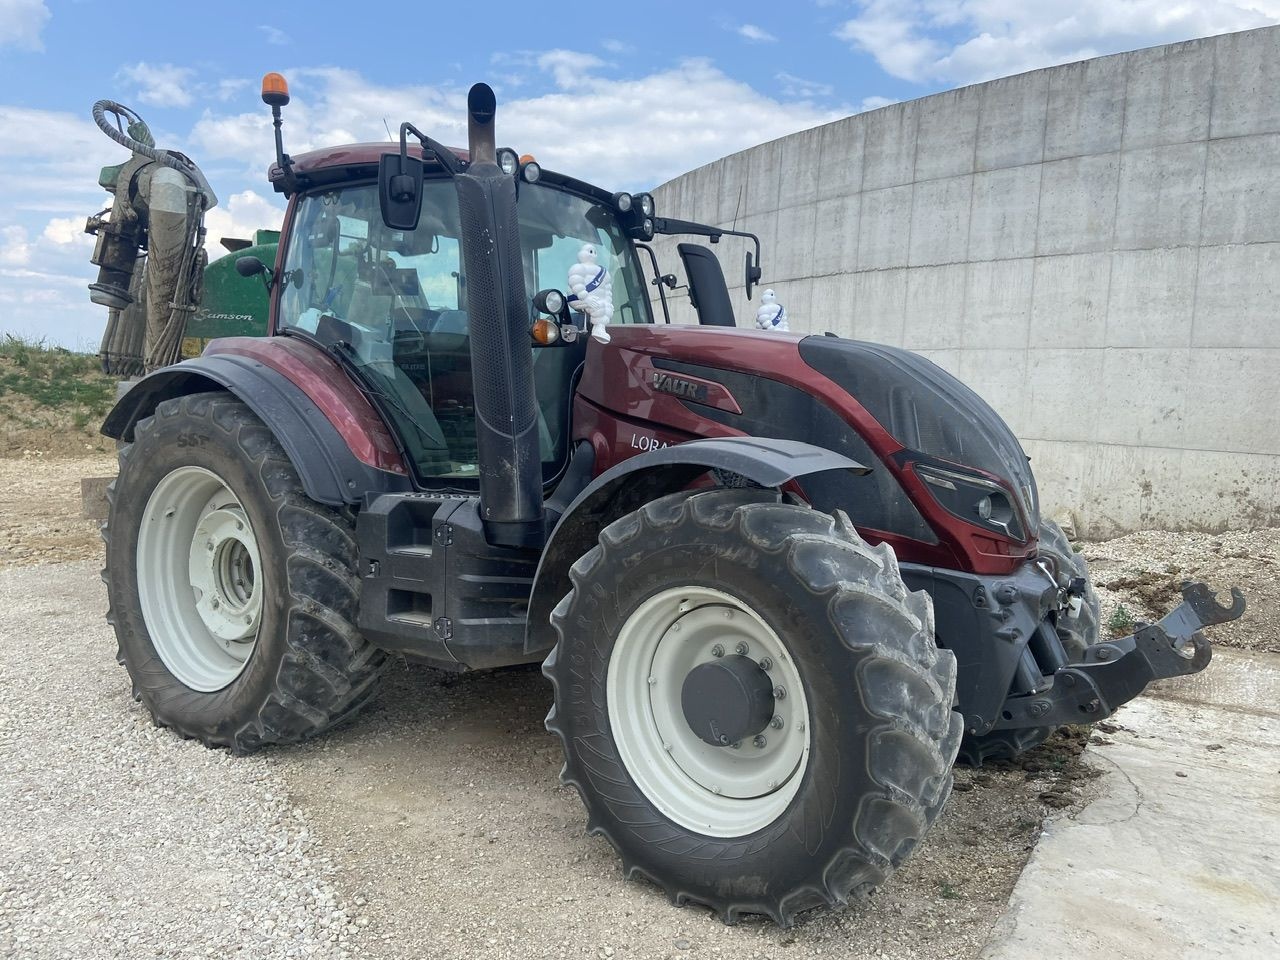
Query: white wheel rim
pixel 199 578
pixel 716 791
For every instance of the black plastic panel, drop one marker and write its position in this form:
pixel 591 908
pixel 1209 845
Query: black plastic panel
pixel 926 409
pixel 773 409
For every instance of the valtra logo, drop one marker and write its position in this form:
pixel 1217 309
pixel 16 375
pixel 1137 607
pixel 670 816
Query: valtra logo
pixel 685 389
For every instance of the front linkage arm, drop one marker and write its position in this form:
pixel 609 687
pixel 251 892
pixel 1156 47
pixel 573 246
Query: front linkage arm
pixel 1114 672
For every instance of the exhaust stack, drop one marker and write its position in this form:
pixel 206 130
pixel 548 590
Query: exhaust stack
pixel 501 351
pixel 481 107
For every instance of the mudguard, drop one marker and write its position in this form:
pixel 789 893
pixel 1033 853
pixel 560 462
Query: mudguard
pixel 330 472
pixel 628 485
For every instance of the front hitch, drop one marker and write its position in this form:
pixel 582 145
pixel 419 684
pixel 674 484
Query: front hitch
pixel 1115 671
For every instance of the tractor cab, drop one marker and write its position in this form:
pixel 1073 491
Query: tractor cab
pixel 394 302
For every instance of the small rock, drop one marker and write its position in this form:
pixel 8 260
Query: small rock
pixel 682 943
pixel 1179 773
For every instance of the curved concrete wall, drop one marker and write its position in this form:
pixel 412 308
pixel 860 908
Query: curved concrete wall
pixel 1094 248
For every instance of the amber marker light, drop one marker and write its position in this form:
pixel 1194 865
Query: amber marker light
pixel 545 332
pixel 275 90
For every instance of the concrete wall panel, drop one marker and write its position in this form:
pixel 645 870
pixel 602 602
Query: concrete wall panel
pixel 1094 248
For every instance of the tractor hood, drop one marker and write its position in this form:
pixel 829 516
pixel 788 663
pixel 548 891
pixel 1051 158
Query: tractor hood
pixel 944 425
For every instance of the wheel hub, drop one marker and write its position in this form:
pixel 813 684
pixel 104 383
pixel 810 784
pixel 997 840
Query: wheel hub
pixel 223 568
pixel 200 578
pixel 727 700
pixel 719 743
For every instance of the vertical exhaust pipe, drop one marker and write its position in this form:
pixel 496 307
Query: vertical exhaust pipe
pixel 501 351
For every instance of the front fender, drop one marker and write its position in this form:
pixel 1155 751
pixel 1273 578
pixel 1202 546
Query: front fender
pixel 330 472
pixel 629 485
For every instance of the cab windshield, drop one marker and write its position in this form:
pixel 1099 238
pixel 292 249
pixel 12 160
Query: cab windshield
pixel 395 303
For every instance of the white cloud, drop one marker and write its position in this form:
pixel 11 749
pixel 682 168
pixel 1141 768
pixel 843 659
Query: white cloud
pixel 22 22
pixel 159 84
pixel 238 217
pixel 275 35
pixel 966 41
pixel 615 46
pixel 793 86
pixel 875 103
pixel 67 231
pixel 749 31
pixel 622 133
pixel 15 250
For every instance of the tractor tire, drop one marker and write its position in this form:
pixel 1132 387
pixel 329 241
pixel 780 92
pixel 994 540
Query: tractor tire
pixel 233 596
pixel 853 762
pixel 1076 635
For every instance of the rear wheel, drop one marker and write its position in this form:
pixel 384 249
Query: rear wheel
pixel 1076 633
pixel 233 596
pixel 751 704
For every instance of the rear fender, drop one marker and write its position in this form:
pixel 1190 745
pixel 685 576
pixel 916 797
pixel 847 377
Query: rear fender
pixel 330 472
pixel 636 481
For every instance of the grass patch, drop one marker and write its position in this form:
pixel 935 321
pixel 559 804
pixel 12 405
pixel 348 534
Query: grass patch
pixel 55 378
pixel 52 400
pixel 949 892
pixel 1121 622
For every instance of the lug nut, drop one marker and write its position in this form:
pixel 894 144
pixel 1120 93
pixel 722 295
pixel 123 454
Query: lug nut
pixel 717 651
pixel 738 745
pixel 724 740
pixel 766 663
pixel 779 693
pixel 742 649
pixel 776 723
pixel 652 681
pixel 760 741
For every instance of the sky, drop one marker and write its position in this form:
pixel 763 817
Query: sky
pixel 623 95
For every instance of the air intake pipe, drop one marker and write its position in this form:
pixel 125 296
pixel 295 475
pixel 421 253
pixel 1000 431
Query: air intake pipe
pixel 501 351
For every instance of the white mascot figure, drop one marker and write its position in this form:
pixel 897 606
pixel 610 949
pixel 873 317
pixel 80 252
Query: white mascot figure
pixel 591 291
pixel 771 315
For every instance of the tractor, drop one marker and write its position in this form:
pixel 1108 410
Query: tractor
pixel 778 583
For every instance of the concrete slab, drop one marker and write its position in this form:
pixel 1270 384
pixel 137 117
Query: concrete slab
pixel 1180 856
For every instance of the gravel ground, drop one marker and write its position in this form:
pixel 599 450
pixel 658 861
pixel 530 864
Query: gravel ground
pixel 1142 572
pixel 40 509
pixel 432 826
pixel 120 839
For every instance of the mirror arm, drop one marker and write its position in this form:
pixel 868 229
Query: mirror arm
pixel 444 156
pixel 657 279
pixel 668 226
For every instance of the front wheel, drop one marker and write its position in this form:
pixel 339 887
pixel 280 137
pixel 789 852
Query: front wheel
pixel 751 704
pixel 233 596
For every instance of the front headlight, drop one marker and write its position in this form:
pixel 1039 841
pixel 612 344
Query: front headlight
pixel 975 499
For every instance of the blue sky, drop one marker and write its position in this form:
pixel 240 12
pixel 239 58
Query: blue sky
pixel 627 95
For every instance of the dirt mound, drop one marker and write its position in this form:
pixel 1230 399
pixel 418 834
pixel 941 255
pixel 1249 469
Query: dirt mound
pixel 52 401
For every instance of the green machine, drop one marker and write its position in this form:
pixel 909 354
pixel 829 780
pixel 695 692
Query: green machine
pixel 232 305
pixel 164 300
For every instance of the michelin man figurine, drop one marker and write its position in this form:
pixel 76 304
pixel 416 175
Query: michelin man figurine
pixel 591 291
pixel 771 315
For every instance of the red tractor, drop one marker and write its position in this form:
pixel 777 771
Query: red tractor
pixel 777 582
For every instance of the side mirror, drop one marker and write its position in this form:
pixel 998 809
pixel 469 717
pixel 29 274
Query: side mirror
pixel 752 275
pixel 253 267
pixel 250 266
pixel 400 190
